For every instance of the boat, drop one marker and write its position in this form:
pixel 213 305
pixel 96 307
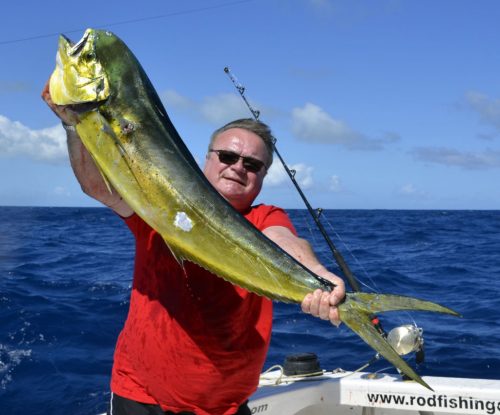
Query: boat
pixel 338 392
pixel 300 388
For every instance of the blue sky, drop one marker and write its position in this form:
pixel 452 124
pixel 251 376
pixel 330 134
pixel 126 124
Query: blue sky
pixel 376 104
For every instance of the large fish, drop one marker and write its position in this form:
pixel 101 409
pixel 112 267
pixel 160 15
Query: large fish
pixel 126 129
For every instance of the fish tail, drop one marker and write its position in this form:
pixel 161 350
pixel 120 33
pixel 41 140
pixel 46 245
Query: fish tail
pixel 379 303
pixel 357 311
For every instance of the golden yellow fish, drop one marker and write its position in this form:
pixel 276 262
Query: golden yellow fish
pixel 127 131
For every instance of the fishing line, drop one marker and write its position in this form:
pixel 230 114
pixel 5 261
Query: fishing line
pixel 305 219
pixel 374 287
pixel 131 21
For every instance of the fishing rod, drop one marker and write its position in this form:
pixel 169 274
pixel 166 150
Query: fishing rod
pixel 353 282
pixel 316 215
pixel 404 339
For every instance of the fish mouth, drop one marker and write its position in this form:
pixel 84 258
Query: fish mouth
pixel 72 47
pixel 84 107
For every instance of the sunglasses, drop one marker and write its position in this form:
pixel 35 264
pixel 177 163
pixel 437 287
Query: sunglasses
pixel 230 157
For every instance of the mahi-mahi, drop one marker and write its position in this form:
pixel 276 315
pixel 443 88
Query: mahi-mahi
pixel 126 129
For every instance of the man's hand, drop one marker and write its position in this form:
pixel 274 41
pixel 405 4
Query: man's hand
pixel 323 304
pixel 63 112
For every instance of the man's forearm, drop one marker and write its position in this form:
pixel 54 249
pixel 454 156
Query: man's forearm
pixel 298 248
pixel 89 176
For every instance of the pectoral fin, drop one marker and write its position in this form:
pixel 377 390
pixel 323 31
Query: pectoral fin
pixel 176 253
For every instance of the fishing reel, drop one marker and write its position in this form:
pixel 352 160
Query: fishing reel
pixel 407 339
pixel 404 339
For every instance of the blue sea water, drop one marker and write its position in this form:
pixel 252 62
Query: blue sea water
pixel 65 277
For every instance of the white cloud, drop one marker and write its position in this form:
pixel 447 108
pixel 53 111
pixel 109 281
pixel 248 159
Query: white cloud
pixel 410 190
pixel 488 136
pixel 13 87
pixel 61 191
pixel 390 137
pixel 48 144
pixel 451 157
pixel 277 175
pixel 303 175
pixel 311 123
pixel 176 100
pixel 487 108
pixel 223 108
pixel 218 109
pixel 336 184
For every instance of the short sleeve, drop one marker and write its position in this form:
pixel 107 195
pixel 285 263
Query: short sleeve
pixel 265 216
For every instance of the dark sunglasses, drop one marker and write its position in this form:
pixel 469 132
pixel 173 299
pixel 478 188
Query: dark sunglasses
pixel 230 157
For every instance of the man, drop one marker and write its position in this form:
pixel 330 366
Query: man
pixel 192 342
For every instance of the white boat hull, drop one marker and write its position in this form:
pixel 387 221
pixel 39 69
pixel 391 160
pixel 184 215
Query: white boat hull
pixel 361 393
pixel 350 393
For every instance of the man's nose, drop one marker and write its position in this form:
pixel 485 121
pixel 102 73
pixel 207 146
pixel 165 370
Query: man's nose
pixel 238 166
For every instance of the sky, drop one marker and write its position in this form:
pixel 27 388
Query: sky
pixel 381 104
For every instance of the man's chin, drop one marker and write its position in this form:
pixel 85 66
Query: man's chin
pixel 231 189
pixel 236 194
pixel 238 201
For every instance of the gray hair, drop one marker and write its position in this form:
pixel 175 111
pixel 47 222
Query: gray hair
pixel 254 126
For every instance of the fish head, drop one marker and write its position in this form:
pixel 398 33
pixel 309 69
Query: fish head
pixel 79 76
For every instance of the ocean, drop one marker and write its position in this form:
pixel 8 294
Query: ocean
pixel 65 278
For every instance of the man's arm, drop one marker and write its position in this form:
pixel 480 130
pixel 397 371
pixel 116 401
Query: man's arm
pixel 90 178
pixel 322 304
pixel 84 167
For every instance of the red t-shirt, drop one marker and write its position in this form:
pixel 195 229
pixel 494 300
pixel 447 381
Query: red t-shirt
pixel 192 341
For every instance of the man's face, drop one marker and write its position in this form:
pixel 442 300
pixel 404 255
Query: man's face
pixel 234 182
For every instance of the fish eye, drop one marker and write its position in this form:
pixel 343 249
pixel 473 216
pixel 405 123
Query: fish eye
pixel 88 56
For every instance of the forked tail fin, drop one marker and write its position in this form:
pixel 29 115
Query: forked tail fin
pixel 356 313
